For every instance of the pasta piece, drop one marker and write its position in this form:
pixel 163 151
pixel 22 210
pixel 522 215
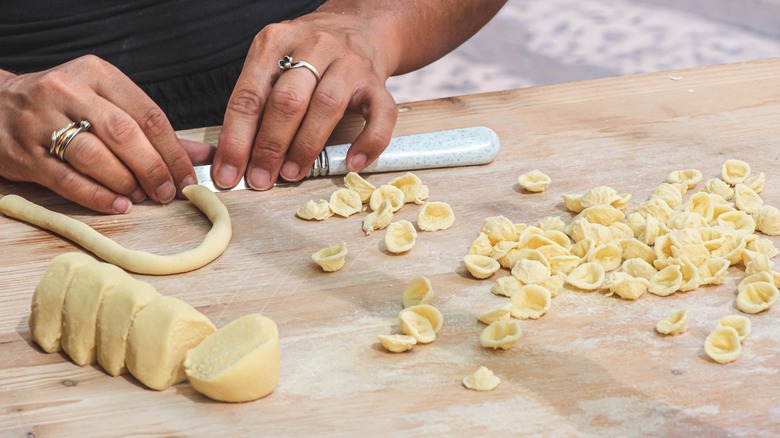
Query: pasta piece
pixel 703 204
pixel 601 195
pixel 534 181
pixel 695 254
pixel 332 258
pixel 530 271
pixel 722 345
pixel 501 249
pixel 674 324
pixel 689 177
pixel 422 196
pixel 573 203
pixel 499 228
pixel 581 248
pixel 718 187
pixel 756 297
pixel 633 248
pixel 397 343
pixel 739 323
pixel 548 223
pixel 731 249
pixel 500 334
pixel 587 276
pixel 355 182
pixel 345 202
pixel 315 210
pixel 626 286
pixel 434 216
pixel 481 245
pixel 686 220
pixel 506 286
pixel 756 182
pixel 550 251
pixel 739 221
pixel 481 267
pixel 759 263
pixel 666 281
pixel 734 171
pixel 530 302
pixel 668 193
pixel 379 218
pixel 481 380
pixel 564 264
pixel 746 199
pixel 764 246
pixel 713 271
pixel 387 192
pixel 690 277
pixel 638 268
pixel 410 185
pixel 601 214
pixel 497 314
pixel 768 220
pixel 422 321
pixel 553 283
pixel 609 256
pixel 418 291
pixel 758 277
pixel 400 236
pixel 620 231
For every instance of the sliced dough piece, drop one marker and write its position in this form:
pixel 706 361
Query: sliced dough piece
pixel 379 218
pixel 315 210
pixel 120 304
pixel 237 363
pixel 345 202
pixel 161 334
pixel 81 306
pixel 410 184
pixel 397 343
pixel 47 300
pixel 418 291
pixel 435 216
pixel 534 181
pixel 400 236
pixel 500 334
pixel 390 193
pixel 739 323
pixel 722 345
pixel 674 324
pixel 332 258
pixel 481 380
pixel 212 246
pixel 355 182
pixel 480 266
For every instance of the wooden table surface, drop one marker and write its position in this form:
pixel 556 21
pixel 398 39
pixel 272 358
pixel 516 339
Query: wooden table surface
pixel 592 366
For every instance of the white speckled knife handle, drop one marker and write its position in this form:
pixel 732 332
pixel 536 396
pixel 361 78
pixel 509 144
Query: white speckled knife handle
pixel 450 148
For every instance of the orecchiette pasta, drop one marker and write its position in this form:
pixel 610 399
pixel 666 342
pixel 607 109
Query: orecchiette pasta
pixel 746 199
pixel 713 271
pixel 722 345
pixel 422 196
pixel 718 187
pixel 499 228
pixel 625 286
pixel 601 214
pixel 633 248
pixel 587 276
pixel 669 193
pixel 689 177
pixel 609 256
pixel 387 192
pixel 500 334
pixel 345 202
pixel 481 245
pixel 637 267
pixel 530 302
pixel 666 281
pixel 756 297
pixel 739 323
pixel 481 380
pixel 690 277
pixel 564 263
pixel 400 236
pixel 418 291
pixel 551 223
pixel 379 218
pixel 397 343
pixel 768 220
pixel 506 286
pixel 481 266
pixel 530 271
pixel 434 216
pixel 734 171
pixel 331 259
pixel 739 221
pixel 422 321
pixel 764 246
pixel 494 315
pixel 553 283
pixel 673 324
pixel 756 182
pixel 355 182
pixel 315 210
pixel 534 181
pixel 410 185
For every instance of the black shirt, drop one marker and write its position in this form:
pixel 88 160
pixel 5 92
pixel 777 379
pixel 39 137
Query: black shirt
pixel 186 54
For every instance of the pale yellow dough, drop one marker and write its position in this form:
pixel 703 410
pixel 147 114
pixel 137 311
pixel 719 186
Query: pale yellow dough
pixel 46 309
pixel 500 334
pixel 674 324
pixel 81 306
pixel 397 343
pixel 161 334
pixel 481 380
pixel 434 216
pixel 332 258
pixel 238 363
pixel 213 244
pixel 400 236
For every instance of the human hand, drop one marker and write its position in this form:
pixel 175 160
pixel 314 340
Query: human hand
pixel 278 123
pixel 131 150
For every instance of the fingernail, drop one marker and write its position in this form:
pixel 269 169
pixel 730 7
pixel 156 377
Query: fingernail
pixel 165 192
pixel 357 162
pixel 188 181
pixel 290 171
pixel 138 195
pixel 259 179
pixel 122 205
pixel 226 175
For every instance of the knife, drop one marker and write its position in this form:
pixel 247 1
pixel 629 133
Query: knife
pixel 430 150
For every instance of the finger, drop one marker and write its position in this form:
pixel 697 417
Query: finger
pixel 326 108
pixel 287 105
pixel 79 188
pixel 88 155
pixel 380 111
pixel 199 153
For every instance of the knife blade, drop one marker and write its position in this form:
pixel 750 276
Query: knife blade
pixel 450 148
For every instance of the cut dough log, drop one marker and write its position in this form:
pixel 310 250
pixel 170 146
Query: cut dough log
pixel 213 244
pixel 46 309
pixel 81 306
pixel 160 336
pixel 115 317
pixel 238 363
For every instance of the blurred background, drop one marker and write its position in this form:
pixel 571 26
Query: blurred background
pixel 539 42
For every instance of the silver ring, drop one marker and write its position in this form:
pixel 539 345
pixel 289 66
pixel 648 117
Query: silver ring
pixel 287 63
pixel 60 140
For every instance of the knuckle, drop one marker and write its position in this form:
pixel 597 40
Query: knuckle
pixel 154 122
pixel 288 101
pixel 91 63
pixel 84 152
pixel 247 102
pixel 269 150
pixel 377 140
pixel 328 100
pixel 155 170
pixel 121 128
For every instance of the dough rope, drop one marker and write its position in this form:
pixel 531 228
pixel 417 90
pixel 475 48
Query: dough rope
pixel 212 246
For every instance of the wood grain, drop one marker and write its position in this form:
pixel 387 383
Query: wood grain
pixel 592 366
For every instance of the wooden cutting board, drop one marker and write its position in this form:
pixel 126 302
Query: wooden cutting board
pixel 592 366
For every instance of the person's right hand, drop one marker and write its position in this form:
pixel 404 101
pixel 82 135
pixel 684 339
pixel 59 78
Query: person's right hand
pixel 130 152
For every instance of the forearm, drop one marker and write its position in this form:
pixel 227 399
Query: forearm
pixel 414 33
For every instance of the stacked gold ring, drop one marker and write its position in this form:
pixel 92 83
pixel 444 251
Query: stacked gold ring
pixel 60 140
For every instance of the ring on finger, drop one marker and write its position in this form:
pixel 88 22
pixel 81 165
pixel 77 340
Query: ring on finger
pixel 60 140
pixel 287 63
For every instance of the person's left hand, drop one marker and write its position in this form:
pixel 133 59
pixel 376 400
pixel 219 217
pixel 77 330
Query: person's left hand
pixel 276 124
